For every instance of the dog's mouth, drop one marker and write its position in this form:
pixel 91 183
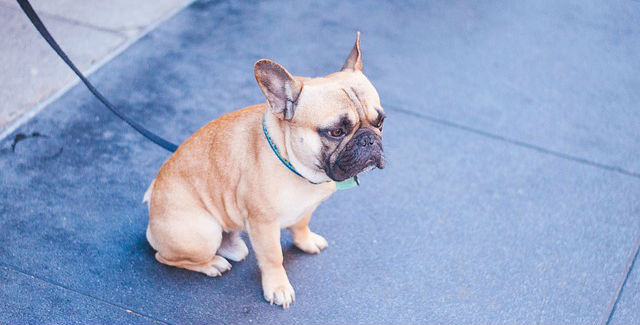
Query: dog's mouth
pixel 339 174
pixel 369 165
pixel 357 158
pixel 373 163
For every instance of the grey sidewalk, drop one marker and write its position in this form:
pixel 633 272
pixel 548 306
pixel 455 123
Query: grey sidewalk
pixel 512 192
pixel 91 32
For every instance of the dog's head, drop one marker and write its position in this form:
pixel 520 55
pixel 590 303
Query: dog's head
pixel 332 125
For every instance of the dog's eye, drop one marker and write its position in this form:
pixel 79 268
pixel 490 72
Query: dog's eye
pixel 379 123
pixel 336 133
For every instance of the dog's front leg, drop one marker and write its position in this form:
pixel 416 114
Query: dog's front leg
pixel 305 239
pixel 265 238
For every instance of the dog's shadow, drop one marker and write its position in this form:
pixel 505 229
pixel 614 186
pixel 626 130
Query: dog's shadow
pixel 292 257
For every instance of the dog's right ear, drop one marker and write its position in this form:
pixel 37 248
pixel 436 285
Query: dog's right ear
pixel 279 87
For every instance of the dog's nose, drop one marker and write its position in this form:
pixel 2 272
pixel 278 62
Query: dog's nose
pixel 366 140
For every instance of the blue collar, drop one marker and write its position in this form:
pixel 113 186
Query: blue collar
pixel 344 185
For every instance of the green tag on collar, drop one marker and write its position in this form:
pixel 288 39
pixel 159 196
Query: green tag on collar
pixel 348 183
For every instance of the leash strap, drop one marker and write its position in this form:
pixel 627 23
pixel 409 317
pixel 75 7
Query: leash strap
pixel 37 23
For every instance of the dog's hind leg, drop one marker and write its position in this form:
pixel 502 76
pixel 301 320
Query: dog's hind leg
pixel 213 268
pixel 233 247
pixel 190 245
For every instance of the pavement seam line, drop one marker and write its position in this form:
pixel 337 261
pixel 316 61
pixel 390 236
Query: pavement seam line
pixel 63 287
pixel 611 309
pixel 56 94
pixel 515 142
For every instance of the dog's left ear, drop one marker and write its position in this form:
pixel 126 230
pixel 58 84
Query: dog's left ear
pixel 278 86
pixel 354 61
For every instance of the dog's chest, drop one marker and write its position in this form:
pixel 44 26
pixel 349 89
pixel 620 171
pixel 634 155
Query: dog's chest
pixel 295 203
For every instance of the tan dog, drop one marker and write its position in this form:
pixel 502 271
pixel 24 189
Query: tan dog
pixel 226 177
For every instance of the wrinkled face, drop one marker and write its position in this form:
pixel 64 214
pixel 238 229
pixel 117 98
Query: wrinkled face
pixel 332 125
pixel 337 126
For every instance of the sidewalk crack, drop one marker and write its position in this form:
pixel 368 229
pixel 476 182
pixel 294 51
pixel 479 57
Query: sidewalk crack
pixel 611 309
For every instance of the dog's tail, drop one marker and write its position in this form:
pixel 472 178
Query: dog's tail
pixel 147 195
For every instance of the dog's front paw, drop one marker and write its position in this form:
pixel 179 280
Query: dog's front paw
pixel 277 290
pixel 282 295
pixel 312 243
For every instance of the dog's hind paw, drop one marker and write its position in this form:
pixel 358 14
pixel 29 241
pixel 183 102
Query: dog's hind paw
pixel 233 247
pixel 216 267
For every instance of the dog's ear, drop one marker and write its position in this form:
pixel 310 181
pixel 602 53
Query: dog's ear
pixel 278 86
pixel 354 61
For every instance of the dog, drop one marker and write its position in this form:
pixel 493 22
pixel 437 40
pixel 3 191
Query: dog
pixel 264 168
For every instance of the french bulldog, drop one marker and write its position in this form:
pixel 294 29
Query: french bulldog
pixel 264 168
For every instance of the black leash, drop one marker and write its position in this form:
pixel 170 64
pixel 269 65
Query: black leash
pixel 37 23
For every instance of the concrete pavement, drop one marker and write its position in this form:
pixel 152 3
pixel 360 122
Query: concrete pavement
pixel 511 194
pixel 91 32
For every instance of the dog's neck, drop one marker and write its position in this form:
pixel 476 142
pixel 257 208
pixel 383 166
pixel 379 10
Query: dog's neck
pixel 279 136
